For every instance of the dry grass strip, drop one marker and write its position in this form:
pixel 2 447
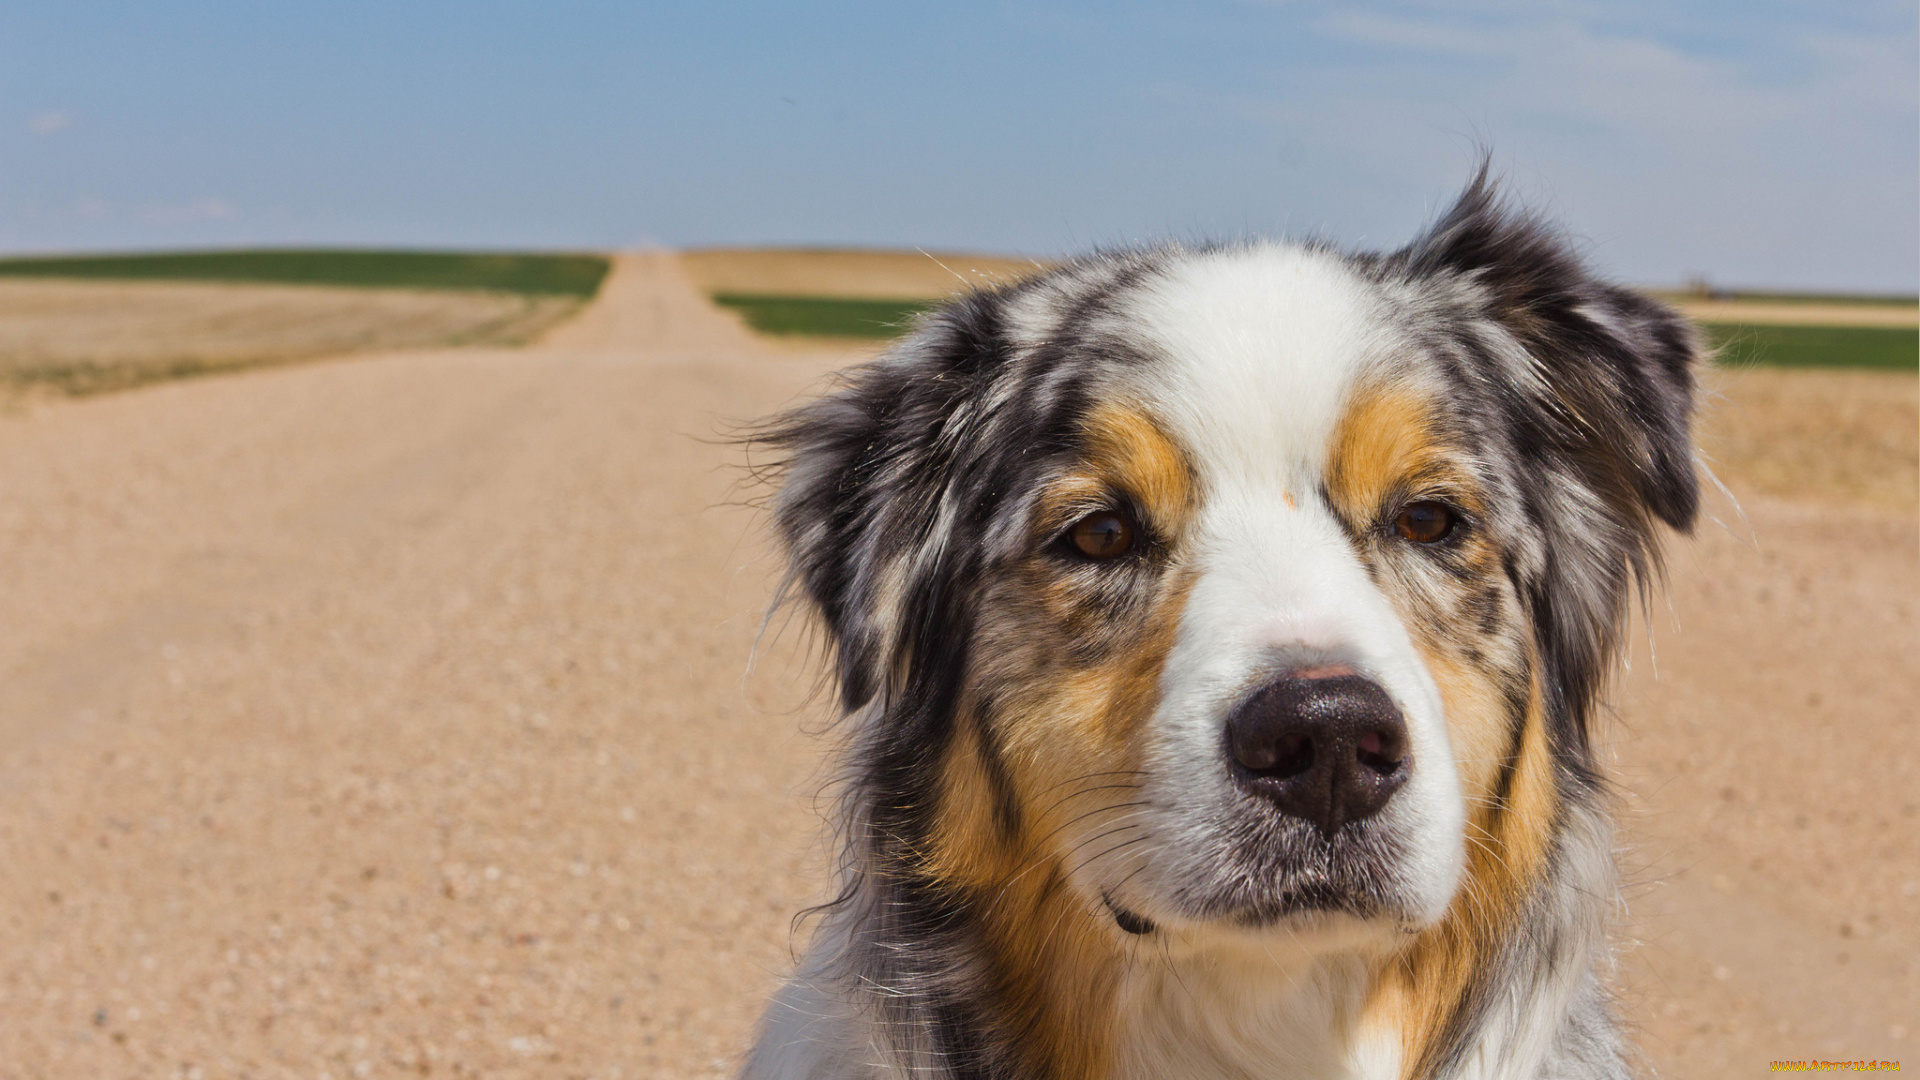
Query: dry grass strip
pixel 80 337
pixel 1822 436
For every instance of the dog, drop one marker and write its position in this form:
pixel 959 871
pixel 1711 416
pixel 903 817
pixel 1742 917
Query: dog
pixel 1219 632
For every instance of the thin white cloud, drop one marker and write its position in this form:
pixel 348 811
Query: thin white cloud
pixel 198 210
pixel 1633 79
pixel 1375 28
pixel 46 123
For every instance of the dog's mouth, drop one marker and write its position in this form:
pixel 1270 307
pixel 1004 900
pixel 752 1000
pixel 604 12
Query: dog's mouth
pixel 1127 920
pixel 1264 913
pixel 1282 872
pixel 1314 899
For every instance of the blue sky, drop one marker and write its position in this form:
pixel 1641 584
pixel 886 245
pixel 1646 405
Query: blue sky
pixel 1759 143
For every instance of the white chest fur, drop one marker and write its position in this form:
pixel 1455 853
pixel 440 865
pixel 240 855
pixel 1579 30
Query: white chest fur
pixel 1209 1016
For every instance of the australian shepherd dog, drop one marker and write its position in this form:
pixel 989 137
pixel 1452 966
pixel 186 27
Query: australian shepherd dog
pixel 1219 632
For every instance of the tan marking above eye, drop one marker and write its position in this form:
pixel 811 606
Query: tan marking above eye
pixel 1385 437
pixel 1425 522
pixel 1106 534
pixel 1126 451
pixel 1127 462
pixel 1388 445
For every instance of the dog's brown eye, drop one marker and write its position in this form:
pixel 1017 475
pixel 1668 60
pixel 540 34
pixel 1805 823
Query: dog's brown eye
pixel 1105 535
pixel 1424 522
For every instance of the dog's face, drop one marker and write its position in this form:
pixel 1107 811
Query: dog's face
pixel 1247 589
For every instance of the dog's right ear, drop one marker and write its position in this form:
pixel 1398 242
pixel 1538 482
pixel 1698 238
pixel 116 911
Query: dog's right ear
pixel 862 471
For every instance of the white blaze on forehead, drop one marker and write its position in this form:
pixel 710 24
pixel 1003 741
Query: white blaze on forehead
pixel 1262 345
pixel 1259 349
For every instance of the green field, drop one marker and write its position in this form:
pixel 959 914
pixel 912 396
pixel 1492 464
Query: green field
pixel 1739 344
pixel 822 316
pixel 1878 348
pixel 536 275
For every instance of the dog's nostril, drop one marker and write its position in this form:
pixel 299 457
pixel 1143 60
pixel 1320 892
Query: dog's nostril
pixel 1293 756
pixel 1279 755
pixel 1381 751
pixel 1272 754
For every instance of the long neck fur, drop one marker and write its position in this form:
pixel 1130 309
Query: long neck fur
pixel 1030 982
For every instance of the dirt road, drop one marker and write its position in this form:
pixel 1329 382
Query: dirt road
pixel 391 716
pixel 388 717
pixel 649 305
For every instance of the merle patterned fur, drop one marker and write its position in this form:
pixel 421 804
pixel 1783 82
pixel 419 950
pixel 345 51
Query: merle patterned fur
pixel 903 492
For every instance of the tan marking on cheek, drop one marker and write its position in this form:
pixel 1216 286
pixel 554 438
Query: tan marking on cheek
pixel 1080 730
pixel 1053 979
pixel 1524 826
pixel 1443 615
pixel 1477 722
pixel 1052 963
pixel 1050 967
pixel 1068 740
pixel 1418 992
pixel 967 846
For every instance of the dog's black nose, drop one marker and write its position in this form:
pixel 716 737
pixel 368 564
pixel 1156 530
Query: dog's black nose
pixel 1331 749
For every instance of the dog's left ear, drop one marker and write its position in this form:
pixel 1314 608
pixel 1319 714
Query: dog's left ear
pixel 1594 388
pixel 1613 368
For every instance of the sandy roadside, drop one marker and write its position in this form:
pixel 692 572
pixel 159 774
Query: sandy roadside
pixel 393 716
pixel 1766 745
pixel 1770 313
